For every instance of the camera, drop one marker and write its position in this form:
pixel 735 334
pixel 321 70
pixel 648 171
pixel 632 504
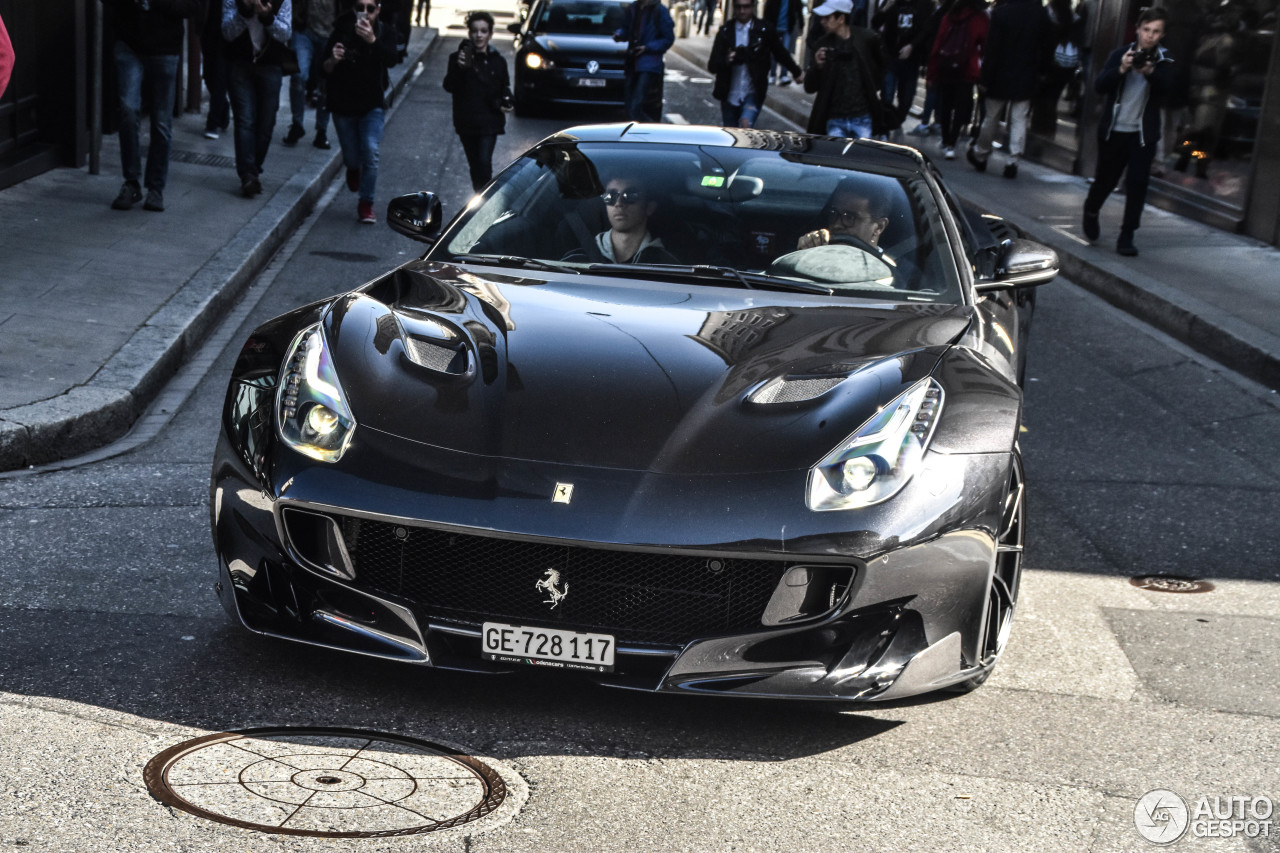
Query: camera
pixel 1143 58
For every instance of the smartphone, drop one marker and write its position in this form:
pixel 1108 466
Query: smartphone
pixel 362 16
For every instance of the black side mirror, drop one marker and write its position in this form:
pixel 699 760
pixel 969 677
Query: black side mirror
pixel 514 27
pixel 417 215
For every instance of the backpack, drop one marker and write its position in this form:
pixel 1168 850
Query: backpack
pixel 953 51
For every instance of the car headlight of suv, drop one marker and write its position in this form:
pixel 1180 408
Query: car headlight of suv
pixel 311 410
pixel 536 61
pixel 874 463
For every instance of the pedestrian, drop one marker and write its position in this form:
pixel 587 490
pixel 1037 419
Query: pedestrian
pixel 786 17
pixel 848 66
pixel 6 57
pixel 257 32
pixel 703 16
pixel 312 26
pixel 481 88
pixel 149 39
pixel 421 12
pixel 357 55
pixel 213 67
pixel 930 34
pixel 954 67
pixel 1015 58
pixel 904 26
pixel 1135 81
pixel 740 58
pixel 648 31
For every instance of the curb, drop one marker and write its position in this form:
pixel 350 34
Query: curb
pixel 104 408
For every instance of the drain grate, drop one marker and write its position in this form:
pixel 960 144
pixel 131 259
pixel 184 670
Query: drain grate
pixel 195 158
pixel 327 782
pixel 1171 583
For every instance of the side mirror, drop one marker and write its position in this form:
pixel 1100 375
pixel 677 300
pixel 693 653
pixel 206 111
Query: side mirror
pixel 417 215
pixel 514 27
pixel 1022 263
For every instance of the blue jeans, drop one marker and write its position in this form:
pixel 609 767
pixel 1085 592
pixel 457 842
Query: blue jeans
pixel 306 45
pixel 784 39
pixel 900 83
pixel 635 90
pixel 159 74
pixel 255 99
pixel 731 116
pixel 479 151
pixel 360 137
pixel 852 127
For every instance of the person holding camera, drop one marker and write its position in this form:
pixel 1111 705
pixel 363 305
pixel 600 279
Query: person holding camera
pixel 1135 80
pixel 740 59
pixel 481 88
pixel 360 50
pixel 847 69
pixel 649 32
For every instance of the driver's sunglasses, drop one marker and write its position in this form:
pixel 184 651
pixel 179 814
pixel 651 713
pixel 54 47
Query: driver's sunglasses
pixel 846 218
pixel 627 196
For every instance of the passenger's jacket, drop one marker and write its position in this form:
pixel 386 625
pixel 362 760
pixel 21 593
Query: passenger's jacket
pixel 650 25
pixel 478 92
pixel 359 82
pixel 1110 82
pixel 762 45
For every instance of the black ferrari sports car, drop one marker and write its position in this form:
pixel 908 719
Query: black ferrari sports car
pixel 680 408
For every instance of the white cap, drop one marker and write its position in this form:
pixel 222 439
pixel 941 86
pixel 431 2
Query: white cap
pixel 830 7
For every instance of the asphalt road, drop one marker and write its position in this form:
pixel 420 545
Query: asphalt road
pixel 1141 458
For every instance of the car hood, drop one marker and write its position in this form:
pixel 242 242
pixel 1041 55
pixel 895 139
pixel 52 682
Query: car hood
pixel 567 46
pixel 624 374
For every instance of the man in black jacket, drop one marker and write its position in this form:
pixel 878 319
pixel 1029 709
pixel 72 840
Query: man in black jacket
pixel 357 56
pixel 847 69
pixel 149 39
pixel 740 60
pixel 904 25
pixel 1135 80
pixel 1018 51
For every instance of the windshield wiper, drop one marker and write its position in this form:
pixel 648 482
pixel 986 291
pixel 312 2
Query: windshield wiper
pixel 751 281
pixel 517 261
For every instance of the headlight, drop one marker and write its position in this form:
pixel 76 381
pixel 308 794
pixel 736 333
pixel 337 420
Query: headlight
pixel 874 463
pixel 311 410
pixel 536 60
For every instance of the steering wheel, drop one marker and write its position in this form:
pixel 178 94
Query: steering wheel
pixel 855 242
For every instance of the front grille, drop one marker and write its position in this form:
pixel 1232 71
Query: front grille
pixel 658 599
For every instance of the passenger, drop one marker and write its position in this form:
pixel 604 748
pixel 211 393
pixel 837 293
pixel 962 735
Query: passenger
pixel 854 210
pixel 628 205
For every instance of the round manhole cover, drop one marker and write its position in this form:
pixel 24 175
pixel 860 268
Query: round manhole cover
pixel 1170 583
pixel 339 783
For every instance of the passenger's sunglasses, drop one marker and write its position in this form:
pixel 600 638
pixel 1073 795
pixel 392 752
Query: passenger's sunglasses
pixel 846 218
pixel 627 196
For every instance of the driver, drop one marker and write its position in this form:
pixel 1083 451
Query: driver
pixel 856 210
pixel 628 205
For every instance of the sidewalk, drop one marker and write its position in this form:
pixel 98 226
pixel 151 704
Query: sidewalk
pixel 1203 286
pixel 99 307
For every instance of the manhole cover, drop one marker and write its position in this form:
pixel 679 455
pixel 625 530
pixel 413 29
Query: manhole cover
pixel 1170 583
pixel 339 783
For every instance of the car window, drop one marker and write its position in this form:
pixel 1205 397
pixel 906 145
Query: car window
pixel 584 17
pixel 763 215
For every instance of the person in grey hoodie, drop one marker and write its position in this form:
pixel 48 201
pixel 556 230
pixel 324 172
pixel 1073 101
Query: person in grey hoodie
pixel 1135 81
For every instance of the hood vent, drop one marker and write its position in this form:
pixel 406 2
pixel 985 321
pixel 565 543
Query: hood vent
pixel 795 390
pixel 432 355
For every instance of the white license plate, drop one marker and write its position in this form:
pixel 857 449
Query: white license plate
pixel 591 81
pixel 547 647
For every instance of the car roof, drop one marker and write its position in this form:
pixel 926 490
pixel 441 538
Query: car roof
pixel 870 152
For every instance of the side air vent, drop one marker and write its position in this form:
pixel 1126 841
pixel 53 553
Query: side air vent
pixel 795 389
pixel 434 356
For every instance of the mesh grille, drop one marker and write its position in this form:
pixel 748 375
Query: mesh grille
pixel 661 599
pixel 796 390
pixel 429 355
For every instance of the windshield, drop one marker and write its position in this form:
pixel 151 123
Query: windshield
pixel 734 217
pixel 583 17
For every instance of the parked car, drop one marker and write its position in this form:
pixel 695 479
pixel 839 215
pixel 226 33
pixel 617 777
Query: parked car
pixel 778 456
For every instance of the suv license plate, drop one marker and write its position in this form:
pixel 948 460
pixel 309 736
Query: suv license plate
pixel 547 647
pixel 591 81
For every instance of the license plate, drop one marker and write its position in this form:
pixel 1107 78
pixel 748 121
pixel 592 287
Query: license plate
pixel 591 81
pixel 547 647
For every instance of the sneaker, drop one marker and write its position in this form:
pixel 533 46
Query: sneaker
pixel 129 195
pixel 975 161
pixel 155 200
pixel 949 153
pixel 1124 245
pixel 364 212
pixel 353 180
pixel 784 80
pixel 322 142
pixel 1011 170
pixel 250 187
pixel 921 129
pixel 1090 227
pixel 210 133
pixel 295 133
